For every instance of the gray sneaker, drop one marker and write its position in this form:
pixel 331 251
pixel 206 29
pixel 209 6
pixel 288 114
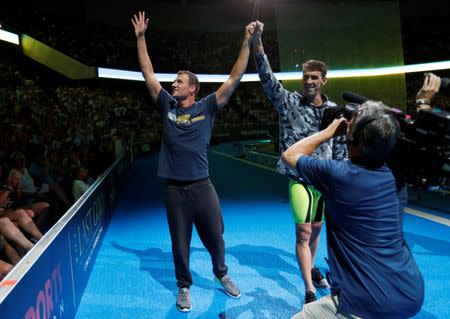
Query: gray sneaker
pixel 230 287
pixel 184 300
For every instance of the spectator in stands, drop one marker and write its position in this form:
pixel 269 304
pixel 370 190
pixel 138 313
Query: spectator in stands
pixel 71 160
pixel 40 170
pixel 11 184
pixel 120 142
pixel 9 231
pixel 27 187
pixel 187 126
pixel 80 185
pixel 300 115
pixel 21 217
pixel 26 196
pixel 373 273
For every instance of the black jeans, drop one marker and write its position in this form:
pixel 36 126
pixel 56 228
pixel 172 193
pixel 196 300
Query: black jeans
pixel 189 204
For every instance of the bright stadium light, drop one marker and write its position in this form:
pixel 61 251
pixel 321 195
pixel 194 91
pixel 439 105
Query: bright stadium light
pixel 119 74
pixel 9 37
pixel 253 77
pixel 433 66
pixel 162 77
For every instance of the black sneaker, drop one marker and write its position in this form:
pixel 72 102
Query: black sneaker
pixel 310 297
pixel 184 300
pixel 230 287
pixel 318 279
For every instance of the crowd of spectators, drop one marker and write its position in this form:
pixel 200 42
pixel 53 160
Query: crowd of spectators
pixel 51 136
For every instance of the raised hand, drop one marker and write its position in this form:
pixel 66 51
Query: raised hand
pixel 250 31
pixel 337 127
pixel 259 27
pixel 140 24
pixel 256 38
pixel 430 87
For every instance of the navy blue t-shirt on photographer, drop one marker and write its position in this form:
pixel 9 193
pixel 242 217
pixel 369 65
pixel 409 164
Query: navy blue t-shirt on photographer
pixel 186 135
pixel 371 266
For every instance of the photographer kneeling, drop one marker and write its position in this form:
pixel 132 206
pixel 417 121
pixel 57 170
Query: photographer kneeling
pixel 372 270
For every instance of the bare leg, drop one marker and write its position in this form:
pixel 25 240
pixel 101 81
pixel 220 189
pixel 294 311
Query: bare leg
pixel 5 268
pixel 25 222
pixel 39 207
pixel 29 212
pixel 12 233
pixel 10 252
pixel 303 253
pixel 314 240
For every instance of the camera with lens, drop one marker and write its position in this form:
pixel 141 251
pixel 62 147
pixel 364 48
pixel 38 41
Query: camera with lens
pixel 336 112
pixel 422 154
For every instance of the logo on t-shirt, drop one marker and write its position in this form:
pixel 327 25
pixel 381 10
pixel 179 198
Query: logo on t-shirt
pixel 184 119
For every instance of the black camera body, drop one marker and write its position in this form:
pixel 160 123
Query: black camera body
pixel 422 154
pixel 335 112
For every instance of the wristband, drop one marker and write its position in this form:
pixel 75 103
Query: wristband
pixel 422 101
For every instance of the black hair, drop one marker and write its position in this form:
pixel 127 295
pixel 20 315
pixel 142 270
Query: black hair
pixel 375 131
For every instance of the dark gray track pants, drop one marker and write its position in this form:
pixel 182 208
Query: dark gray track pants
pixel 189 204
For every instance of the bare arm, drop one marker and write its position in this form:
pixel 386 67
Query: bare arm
pixel 11 184
pixel 307 145
pixel 227 88
pixel 430 87
pixel 4 193
pixel 140 26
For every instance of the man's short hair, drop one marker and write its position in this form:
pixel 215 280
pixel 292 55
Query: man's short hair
pixel 193 80
pixel 375 131
pixel 315 65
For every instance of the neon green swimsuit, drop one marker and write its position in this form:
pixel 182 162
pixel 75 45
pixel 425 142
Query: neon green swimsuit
pixel 307 204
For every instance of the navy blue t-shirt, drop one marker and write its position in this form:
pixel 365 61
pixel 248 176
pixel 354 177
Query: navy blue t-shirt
pixel 186 135
pixel 371 266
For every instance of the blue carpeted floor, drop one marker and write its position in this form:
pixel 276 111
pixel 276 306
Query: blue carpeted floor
pixel 133 274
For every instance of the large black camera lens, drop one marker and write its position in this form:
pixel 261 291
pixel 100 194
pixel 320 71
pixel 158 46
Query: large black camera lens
pixel 335 112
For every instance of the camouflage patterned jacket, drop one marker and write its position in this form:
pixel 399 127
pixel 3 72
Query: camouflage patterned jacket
pixel 297 118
